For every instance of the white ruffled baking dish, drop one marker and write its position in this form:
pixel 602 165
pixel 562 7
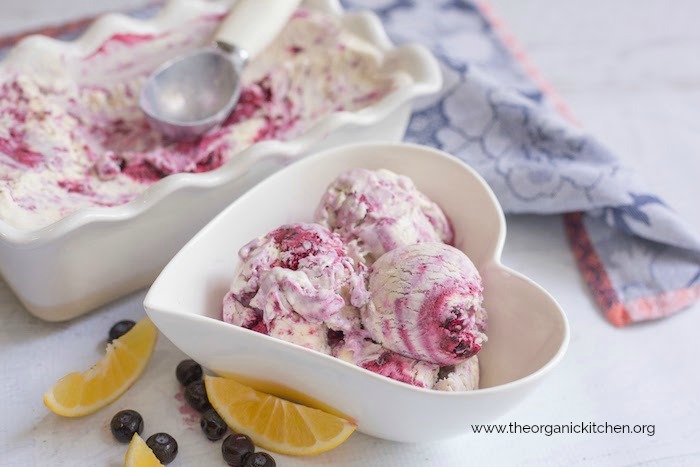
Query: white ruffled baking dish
pixel 95 255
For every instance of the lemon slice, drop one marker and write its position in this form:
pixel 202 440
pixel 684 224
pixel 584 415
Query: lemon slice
pixel 78 394
pixel 273 423
pixel 140 455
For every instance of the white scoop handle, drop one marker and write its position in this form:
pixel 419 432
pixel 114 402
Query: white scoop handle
pixel 252 24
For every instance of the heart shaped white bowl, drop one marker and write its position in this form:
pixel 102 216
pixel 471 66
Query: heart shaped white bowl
pixel 528 331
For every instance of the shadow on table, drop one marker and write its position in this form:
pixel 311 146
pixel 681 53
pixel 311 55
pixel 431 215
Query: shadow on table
pixel 22 326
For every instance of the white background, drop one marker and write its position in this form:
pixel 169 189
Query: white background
pixel 630 71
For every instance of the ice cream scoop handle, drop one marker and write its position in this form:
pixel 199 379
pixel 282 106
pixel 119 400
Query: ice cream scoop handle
pixel 252 24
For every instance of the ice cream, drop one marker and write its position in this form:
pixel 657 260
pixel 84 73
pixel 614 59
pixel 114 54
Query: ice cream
pixel 297 283
pixel 414 314
pixel 463 376
pixel 376 211
pixel 74 137
pixel 371 356
pixel 426 304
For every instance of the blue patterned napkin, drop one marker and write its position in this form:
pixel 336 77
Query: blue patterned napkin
pixel 495 113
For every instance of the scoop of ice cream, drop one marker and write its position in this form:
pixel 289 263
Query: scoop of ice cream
pixel 426 304
pixel 371 356
pixel 460 377
pixel 296 283
pixel 376 211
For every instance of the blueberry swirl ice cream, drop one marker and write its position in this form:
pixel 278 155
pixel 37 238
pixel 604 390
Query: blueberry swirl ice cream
pixel 426 303
pixel 72 135
pixel 376 211
pixel 298 283
pixel 406 307
pixel 373 357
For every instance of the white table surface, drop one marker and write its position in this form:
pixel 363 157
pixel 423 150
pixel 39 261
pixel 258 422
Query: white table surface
pixel 630 71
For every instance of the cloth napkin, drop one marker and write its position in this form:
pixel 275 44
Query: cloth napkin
pixel 497 114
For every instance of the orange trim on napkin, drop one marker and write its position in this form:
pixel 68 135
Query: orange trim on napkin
pixel 658 306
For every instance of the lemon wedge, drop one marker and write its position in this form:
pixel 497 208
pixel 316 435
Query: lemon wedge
pixel 78 394
pixel 276 424
pixel 140 455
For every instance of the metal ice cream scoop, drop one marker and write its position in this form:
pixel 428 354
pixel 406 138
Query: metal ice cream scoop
pixel 195 92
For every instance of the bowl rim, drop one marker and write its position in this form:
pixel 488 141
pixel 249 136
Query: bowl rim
pixel 364 23
pixel 494 261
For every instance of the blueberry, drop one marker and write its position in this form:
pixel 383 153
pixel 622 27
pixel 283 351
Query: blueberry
pixel 235 448
pixel 120 328
pixel 125 423
pixel 259 459
pixel 196 396
pixel 213 426
pixel 188 371
pixel 163 446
